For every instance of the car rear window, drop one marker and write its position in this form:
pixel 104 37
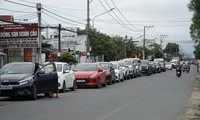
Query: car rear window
pixel 86 67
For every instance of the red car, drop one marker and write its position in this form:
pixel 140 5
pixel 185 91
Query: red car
pixel 90 74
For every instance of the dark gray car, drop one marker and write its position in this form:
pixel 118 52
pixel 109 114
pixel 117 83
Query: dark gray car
pixel 28 79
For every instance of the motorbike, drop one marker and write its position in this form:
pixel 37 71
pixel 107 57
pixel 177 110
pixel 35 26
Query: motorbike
pixel 187 70
pixel 178 72
pixel 183 69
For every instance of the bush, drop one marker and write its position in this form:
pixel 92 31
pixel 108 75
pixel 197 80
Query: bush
pixel 67 57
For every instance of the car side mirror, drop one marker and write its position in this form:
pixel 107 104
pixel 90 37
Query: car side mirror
pixel 66 71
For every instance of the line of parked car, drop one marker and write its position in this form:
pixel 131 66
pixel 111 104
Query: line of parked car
pixel 30 79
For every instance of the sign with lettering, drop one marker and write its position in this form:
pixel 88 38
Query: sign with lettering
pixel 19 36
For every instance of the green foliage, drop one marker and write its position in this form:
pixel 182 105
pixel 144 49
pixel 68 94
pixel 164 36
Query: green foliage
pixel 194 6
pixel 157 50
pixel 172 49
pixel 67 57
pixel 197 51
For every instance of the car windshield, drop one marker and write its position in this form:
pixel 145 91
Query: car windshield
pixel 59 67
pixel 128 62
pixel 105 66
pixel 17 69
pixel 144 62
pixel 114 65
pixel 86 67
pixel 121 64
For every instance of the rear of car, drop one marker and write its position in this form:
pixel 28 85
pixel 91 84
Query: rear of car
pixel 89 74
pixel 168 65
pixel 122 65
pixel 118 72
pixel 132 70
pixel 110 73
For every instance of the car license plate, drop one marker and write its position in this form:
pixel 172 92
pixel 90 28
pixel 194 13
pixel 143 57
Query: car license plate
pixel 5 87
pixel 80 81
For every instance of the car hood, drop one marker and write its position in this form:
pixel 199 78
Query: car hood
pixel 84 74
pixel 13 77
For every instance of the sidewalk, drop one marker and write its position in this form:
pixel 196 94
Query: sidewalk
pixel 192 109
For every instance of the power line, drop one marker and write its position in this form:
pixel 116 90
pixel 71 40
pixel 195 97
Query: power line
pixel 57 18
pixel 63 17
pixel 16 10
pixel 118 16
pixel 112 16
pixel 25 16
pixel 124 16
pixel 61 12
pixel 20 4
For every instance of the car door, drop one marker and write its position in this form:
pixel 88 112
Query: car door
pixel 47 78
pixel 67 74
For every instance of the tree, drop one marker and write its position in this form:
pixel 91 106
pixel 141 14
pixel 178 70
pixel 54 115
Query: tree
pixel 194 6
pixel 197 51
pixel 67 57
pixel 172 49
pixel 156 50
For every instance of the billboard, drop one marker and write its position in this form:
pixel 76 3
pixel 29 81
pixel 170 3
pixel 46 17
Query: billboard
pixel 19 36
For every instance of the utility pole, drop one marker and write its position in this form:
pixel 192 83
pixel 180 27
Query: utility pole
pixel 88 31
pixel 59 40
pixel 144 41
pixel 39 8
pixel 161 40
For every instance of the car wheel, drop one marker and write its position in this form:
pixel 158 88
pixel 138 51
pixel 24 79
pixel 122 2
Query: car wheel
pixel 74 86
pixel 33 92
pixel 63 87
pixel 119 78
pixel 110 81
pixel 122 78
pixel 114 81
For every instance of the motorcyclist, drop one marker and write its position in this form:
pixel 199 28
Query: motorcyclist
pixel 188 67
pixel 183 66
pixel 178 68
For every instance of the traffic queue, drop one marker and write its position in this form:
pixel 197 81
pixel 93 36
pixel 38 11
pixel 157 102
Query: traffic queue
pixel 30 79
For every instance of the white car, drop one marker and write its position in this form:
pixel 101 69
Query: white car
pixel 66 78
pixel 168 65
pixel 119 75
pixel 122 65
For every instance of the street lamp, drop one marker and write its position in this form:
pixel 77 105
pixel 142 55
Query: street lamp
pixel 100 15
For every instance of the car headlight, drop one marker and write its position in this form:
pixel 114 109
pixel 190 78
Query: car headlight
pixel 25 81
pixel 93 75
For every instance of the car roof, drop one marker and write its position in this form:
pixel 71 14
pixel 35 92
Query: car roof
pixel 21 63
pixel 60 63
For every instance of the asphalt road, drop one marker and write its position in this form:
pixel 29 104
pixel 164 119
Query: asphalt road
pixel 157 97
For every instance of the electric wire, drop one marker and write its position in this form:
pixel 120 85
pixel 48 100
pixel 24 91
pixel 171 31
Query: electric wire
pixel 63 17
pixel 113 16
pixel 63 13
pixel 124 16
pixel 20 4
pixel 15 10
pixel 117 16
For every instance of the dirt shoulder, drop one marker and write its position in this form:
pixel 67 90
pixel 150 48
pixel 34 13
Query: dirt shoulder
pixel 192 109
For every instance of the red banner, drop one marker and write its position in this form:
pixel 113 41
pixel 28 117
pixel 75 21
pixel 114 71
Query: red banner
pixel 19 36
